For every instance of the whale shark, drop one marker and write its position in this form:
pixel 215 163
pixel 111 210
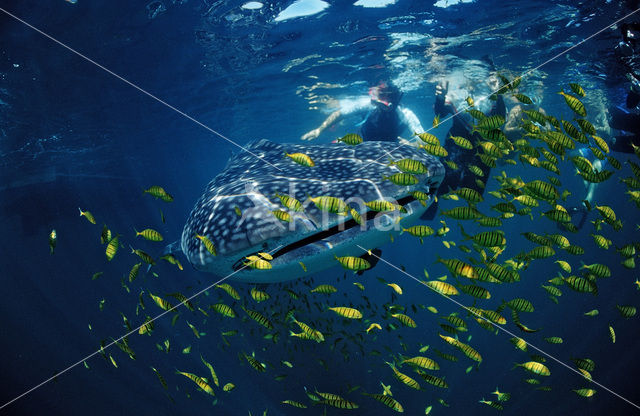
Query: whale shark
pixel 236 210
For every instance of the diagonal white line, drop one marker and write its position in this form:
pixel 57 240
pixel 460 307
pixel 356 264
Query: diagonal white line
pixel 499 327
pixel 524 75
pixel 124 336
pixel 147 93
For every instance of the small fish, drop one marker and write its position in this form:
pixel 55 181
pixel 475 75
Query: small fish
pixel 601 241
pixel 324 289
pixel 373 326
pixel 265 256
pixel 346 312
pixel 257 365
pixel 469 101
pixel 405 320
pixel 159 192
pixel 207 244
pixel 395 287
pixel 173 260
pixel 428 138
pixel 585 392
pixel 230 290
pixel 160 378
pixel 259 295
pixel 149 234
pixel 53 240
pixel 161 302
pixel 351 139
pixel 330 204
pixel 535 368
pixel 105 235
pixel 436 121
pixel 301 159
pixel 435 150
pixel 493 404
pixel 462 142
pixel 87 215
pixel 224 310
pixel 612 334
pixel 574 104
pixel 405 379
pixel 194 330
pixel 289 202
pixel 422 362
pixel 307 332
pixel 502 397
pixel 442 287
pixel 381 205
pixel 112 248
pixel 353 263
pixel 144 256
pixel 577 89
pixel 294 404
pixel 410 166
pixel 146 327
pixel 627 311
pixel 200 382
pixel 523 98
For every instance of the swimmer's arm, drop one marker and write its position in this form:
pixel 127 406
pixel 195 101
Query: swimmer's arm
pixel 411 121
pixel 313 134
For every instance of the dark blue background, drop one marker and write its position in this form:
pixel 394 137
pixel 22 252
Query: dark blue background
pixel 74 136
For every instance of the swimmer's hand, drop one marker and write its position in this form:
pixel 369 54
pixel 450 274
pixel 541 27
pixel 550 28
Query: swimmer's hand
pixel 313 134
pixel 442 89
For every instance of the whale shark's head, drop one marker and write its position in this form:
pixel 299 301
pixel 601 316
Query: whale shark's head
pixel 236 211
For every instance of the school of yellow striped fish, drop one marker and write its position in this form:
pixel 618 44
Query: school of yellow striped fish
pixel 309 316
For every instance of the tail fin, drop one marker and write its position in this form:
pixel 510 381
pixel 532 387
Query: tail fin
pixel 173 248
pixel 466 236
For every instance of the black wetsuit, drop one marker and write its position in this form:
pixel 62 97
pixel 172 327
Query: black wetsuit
pixel 628 119
pixel 461 177
pixel 381 125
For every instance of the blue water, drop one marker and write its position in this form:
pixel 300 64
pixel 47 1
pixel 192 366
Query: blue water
pixel 73 135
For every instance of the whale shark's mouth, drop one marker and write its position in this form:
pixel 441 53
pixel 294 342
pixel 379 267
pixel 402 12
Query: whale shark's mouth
pixel 332 231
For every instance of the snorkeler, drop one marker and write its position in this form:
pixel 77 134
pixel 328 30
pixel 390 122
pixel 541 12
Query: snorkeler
pixel 446 103
pixel 383 118
pixel 627 118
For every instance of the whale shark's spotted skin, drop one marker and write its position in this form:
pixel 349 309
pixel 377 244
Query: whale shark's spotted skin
pixel 250 184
